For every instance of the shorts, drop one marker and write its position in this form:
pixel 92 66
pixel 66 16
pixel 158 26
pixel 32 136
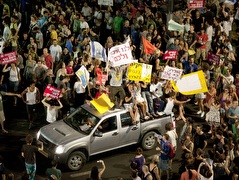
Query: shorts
pixel 31 170
pixel 2 117
pixel 128 106
pixel 163 164
pixel 31 108
pixel 200 96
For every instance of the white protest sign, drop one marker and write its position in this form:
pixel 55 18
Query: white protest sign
pixel 105 2
pixel 171 73
pixel 120 55
pixel 83 75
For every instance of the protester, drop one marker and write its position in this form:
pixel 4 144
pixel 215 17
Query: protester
pixel 29 154
pixel 53 173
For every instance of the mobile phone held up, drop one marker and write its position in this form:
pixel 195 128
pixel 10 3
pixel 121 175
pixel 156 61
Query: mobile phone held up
pixel 157 136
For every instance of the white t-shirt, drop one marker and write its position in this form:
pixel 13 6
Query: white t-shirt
pixel 51 114
pixel 55 52
pixel 86 11
pixel 209 32
pixel 84 25
pixel 156 89
pixel 172 137
pixel 79 87
pixel 13 74
pixel 169 107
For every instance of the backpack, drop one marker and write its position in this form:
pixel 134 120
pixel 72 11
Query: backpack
pixel 172 152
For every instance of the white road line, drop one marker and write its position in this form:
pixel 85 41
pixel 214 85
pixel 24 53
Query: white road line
pixel 81 174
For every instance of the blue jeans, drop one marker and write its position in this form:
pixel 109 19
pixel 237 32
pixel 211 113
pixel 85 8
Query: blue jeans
pixel 31 170
pixel 149 100
pixel 13 87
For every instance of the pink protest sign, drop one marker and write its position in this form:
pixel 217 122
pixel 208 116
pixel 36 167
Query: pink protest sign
pixel 170 54
pixel 196 4
pixel 213 58
pixel 8 58
pixel 52 92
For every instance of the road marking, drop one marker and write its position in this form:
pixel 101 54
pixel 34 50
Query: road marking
pixel 81 174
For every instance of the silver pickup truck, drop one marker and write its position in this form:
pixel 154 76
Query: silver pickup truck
pixel 85 132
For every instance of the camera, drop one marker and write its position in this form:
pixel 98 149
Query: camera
pixel 157 136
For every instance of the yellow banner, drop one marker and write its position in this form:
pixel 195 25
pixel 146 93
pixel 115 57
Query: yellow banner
pixel 139 72
pixel 190 84
pixel 102 103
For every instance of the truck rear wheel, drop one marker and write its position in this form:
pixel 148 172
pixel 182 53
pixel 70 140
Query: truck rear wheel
pixel 149 141
pixel 76 160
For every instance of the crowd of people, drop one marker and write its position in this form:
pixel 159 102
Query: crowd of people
pixel 51 40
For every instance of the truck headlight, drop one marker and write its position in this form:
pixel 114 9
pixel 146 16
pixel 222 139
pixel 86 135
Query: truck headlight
pixel 60 149
pixel 38 135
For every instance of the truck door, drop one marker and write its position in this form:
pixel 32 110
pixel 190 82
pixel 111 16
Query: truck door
pixel 110 136
pixel 129 133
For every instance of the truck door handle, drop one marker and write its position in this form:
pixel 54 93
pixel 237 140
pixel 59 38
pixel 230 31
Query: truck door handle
pixel 134 128
pixel 115 134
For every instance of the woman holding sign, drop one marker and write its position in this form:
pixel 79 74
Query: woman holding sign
pixel 52 106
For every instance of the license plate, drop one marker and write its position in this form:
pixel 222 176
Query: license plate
pixel 44 153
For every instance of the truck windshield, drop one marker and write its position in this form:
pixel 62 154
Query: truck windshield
pixel 81 120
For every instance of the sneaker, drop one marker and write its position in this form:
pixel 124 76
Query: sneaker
pixel 210 132
pixel 199 112
pixel 203 113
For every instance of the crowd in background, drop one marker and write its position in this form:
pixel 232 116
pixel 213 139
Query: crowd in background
pixel 51 39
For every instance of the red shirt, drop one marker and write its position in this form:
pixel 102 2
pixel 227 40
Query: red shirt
pixel 202 39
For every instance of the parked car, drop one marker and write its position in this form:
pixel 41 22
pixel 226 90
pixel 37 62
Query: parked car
pixel 85 132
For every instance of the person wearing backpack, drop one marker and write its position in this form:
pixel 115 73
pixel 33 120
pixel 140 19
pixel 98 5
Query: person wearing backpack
pixel 171 131
pixel 164 151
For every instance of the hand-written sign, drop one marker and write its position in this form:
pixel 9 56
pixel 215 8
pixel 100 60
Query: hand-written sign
pixel 101 79
pixel 105 2
pixel 171 73
pixel 8 58
pixel 213 58
pixel 52 92
pixel 120 55
pixel 139 72
pixel 80 74
pixel 195 4
pixel 170 54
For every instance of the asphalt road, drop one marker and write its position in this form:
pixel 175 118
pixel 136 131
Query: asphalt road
pixel 117 161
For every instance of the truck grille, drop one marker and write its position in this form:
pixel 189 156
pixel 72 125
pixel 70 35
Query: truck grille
pixel 48 146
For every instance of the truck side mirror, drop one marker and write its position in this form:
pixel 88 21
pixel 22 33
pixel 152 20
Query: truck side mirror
pixel 97 133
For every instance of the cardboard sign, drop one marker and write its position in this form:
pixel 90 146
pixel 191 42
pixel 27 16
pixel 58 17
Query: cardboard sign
pixel 196 4
pixel 101 79
pixel 213 58
pixel 8 58
pixel 170 54
pixel 102 103
pixel 83 75
pixel 105 2
pixel 171 73
pixel 192 83
pixel 120 55
pixel 139 72
pixel 52 92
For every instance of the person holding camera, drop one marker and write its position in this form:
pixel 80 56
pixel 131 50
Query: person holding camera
pixel 95 174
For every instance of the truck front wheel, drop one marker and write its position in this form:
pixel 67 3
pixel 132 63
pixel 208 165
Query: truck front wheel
pixel 76 160
pixel 149 141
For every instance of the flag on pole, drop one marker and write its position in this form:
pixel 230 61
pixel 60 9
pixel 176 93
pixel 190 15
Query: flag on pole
pixel 98 51
pixel 148 47
pixel 190 84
